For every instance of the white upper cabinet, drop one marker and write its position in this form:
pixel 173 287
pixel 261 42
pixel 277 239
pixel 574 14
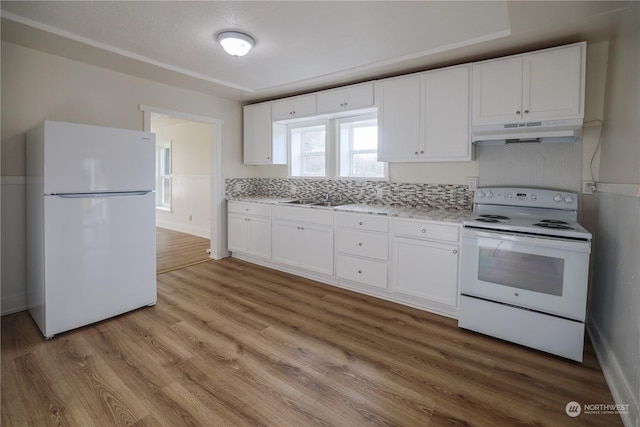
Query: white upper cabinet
pixel 294 107
pixel 398 101
pixel 424 117
pixel 446 114
pixel 344 99
pixel 543 85
pixel 260 145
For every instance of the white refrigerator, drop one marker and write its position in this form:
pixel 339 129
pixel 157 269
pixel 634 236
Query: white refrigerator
pixel 91 240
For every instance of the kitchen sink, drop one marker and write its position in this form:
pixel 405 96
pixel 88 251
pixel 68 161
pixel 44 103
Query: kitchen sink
pixel 300 202
pixel 330 204
pixel 310 202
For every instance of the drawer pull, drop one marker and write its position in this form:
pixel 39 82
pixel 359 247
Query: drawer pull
pixel 359 271
pixel 424 230
pixel 360 223
pixel 455 251
pixel 360 244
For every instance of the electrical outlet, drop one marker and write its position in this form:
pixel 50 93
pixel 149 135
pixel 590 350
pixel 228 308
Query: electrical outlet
pixel 588 187
pixel 379 192
pixel 472 183
pixel 294 189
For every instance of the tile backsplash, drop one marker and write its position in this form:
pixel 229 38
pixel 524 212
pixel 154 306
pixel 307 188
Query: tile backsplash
pixel 437 196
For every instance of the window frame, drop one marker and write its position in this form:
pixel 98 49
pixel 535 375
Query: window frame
pixel 339 149
pixel 312 122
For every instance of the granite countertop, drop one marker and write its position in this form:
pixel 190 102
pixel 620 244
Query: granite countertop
pixel 418 212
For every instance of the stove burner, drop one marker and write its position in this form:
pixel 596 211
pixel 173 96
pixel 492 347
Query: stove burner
pixel 487 220
pixel 491 216
pixel 554 221
pixel 560 225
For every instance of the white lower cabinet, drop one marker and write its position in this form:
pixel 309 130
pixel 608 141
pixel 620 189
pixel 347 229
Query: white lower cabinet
pixel 425 261
pixel 301 243
pixel 249 229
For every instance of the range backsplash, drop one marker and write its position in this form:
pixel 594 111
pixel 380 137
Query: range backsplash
pixel 437 196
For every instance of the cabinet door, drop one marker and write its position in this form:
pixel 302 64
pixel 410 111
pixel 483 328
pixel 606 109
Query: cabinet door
pixel 553 84
pixel 237 233
pixel 446 114
pixel 398 102
pixel 316 249
pixel 257 134
pixel 425 269
pixel 259 241
pixel 286 243
pixel 291 108
pixel 349 98
pixel 497 91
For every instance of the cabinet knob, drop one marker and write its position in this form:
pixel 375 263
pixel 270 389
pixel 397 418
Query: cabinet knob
pixel 360 223
pixel 301 228
pixel 526 111
pixel 422 152
pixel 359 271
pixel 268 158
pixel 424 230
pixel 360 244
pixel 518 112
pixel 416 153
pixel 455 251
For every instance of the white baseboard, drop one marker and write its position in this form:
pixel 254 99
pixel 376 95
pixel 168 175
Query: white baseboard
pixel 616 380
pixel 13 303
pixel 200 232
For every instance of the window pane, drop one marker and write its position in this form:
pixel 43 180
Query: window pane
pixel 367 165
pixel 313 142
pixel 365 138
pixel 313 165
pixel 166 161
pixel 166 191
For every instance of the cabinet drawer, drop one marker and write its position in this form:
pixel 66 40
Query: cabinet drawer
pixel 250 208
pixel 363 243
pixel 363 271
pixel 363 222
pixel 303 214
pixel 426 230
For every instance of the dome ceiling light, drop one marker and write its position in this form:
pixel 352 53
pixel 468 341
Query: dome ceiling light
pixel 235 43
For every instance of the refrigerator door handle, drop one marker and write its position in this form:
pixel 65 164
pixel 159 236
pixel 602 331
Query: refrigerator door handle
pixel 101 195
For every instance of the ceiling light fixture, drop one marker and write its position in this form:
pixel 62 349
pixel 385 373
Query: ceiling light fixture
pixel 235 43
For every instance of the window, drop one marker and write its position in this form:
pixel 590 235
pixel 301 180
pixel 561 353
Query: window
pixel 358 148
pixel 163 175
pixel 308 149
pixel 345 147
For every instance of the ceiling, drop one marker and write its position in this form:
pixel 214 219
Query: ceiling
pixel 300 45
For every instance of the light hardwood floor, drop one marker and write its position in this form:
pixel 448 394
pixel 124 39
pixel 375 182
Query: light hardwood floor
pixel 234 344
pixel 177 250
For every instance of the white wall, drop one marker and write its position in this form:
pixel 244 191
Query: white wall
pixel 38 86
pixel 614 313
pixel 191 168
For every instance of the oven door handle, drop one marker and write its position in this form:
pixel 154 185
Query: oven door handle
pixel 555 243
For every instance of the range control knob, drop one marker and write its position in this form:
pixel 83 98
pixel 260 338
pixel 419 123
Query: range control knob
pixel 558 198
pixel 489 194
pixel 480 194
pixel 568 199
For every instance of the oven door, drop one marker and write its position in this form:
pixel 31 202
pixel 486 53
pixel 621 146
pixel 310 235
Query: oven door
pixel 543 274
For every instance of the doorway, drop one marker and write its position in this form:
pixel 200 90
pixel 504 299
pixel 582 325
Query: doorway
pixel 190 191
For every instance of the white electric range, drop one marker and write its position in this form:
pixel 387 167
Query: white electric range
pixel 525 266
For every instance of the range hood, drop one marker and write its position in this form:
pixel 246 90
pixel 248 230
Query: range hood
pixel 546 131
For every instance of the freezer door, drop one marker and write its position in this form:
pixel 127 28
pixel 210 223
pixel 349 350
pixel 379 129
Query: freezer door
pixel 100 258
pixel 86 159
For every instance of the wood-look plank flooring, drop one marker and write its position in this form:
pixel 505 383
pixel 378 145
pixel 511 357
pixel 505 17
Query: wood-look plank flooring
pixel 233 344
pixel 177 250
